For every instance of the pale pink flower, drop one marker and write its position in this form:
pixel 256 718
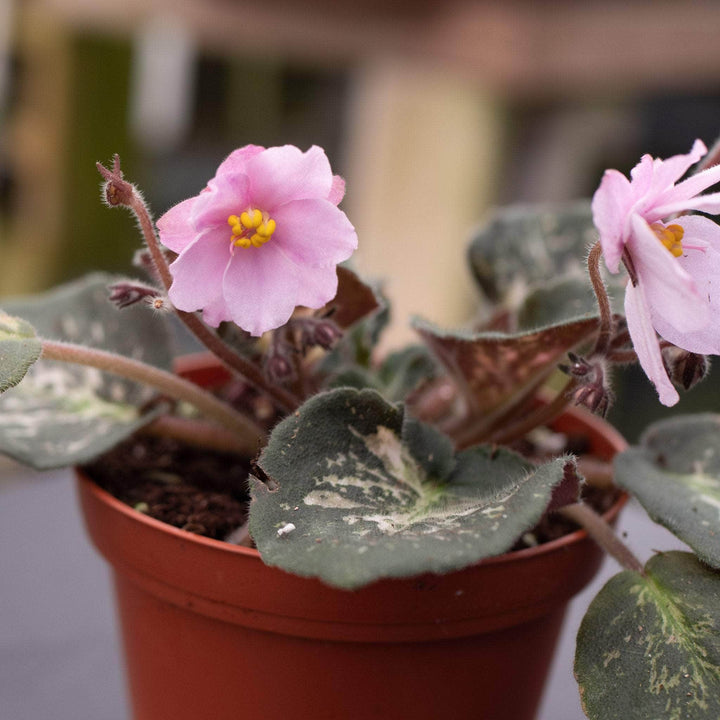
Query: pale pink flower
pixel 263 238
pixel 673 262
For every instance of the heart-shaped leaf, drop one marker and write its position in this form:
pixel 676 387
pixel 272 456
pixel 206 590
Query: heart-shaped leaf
pixel 675 474
pixel 19 349
pixel 500 370
pixel 64 414
pixel 361 492
pixel 649 646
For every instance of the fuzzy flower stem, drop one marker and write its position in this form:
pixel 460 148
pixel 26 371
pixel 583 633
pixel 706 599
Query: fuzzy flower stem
pixel 168 383
pixel 121 192
pixel 199 433
pixel 602 343
pixel 603 535
pixel 543 415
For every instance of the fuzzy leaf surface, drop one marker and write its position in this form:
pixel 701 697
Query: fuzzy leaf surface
pixel 19 349
pixel 675 474
pixel 524 245
pixel 649 647
pixel 374 494
pixel 63 414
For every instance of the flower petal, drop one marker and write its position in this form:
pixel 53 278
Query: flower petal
pixel 337 190
pixel 314 232
pixel 236 161
pixel 198 271
pixel 703 265
pixel 262 287
pixel 646 344
pixel 282 174
pixel 175 227
pixel 705 203
pixel 610 206
pixel 229 195
pixel 667 172
pixel 691 187
pixel 670 292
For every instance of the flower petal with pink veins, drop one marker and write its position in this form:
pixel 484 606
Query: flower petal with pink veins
pixel 198 270
pixel 282 174
pixel 173 226
pixel 646 344
pixel 669 290
pixel 314 232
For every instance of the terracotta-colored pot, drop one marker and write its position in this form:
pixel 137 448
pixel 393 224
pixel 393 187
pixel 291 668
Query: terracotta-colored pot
pixel 211 633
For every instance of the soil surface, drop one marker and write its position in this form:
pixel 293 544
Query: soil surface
pixel 205 492
pixel 199 491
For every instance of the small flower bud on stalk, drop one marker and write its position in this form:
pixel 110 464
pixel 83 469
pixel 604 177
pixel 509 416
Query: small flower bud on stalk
pixel 124 294
pixel 685 368
pixel 593 391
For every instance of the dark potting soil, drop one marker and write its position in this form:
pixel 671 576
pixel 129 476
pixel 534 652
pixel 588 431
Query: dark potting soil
pixel 201 492
pixel 205 492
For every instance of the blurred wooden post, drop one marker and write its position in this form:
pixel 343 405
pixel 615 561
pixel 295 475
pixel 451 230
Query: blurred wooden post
pixel 38 133
pixel 423 147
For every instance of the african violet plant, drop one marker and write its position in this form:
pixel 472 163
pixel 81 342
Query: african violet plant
pixel 395 467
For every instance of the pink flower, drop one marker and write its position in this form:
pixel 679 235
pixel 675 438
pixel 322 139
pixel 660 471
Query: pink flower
pixel 674 265
pixel 262 238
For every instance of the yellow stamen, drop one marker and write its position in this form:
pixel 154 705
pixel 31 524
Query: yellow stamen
pixel 253 228
pixel 670 236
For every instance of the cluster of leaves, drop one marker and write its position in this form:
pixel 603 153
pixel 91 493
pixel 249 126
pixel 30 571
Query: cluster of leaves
pixel 360 484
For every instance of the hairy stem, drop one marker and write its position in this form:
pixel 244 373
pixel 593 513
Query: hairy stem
pixel 121 192
pixel 602 534
pixel 602 343
pixel 168 383
pixel 201 434
pixel 543 415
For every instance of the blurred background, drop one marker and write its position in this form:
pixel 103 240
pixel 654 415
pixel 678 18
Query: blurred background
pixel 434 111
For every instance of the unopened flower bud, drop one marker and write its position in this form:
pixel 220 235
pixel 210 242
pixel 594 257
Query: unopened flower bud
pixel 124 294
pixel 596 398
pixel 685 368
pixel 325 334
pixel 278 367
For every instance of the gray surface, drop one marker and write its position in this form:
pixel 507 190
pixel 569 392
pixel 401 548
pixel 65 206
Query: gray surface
pixel 59 656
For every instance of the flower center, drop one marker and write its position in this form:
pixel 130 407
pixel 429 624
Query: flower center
pixel 670 236
pixel 253 228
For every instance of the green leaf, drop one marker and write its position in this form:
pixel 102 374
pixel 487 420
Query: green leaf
pixel 500 370
pixel 675 474
pixel 19 349
pixel 524 245
pixel 63 414
pixel 359 492
pixel 649 647
pixel 561 300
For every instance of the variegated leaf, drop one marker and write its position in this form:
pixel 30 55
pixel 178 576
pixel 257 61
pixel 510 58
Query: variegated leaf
pixel 649 646
pixel 357 492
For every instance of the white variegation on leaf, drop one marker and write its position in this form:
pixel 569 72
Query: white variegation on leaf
pixel 375 494
pixel 62 414
pixel 649 646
